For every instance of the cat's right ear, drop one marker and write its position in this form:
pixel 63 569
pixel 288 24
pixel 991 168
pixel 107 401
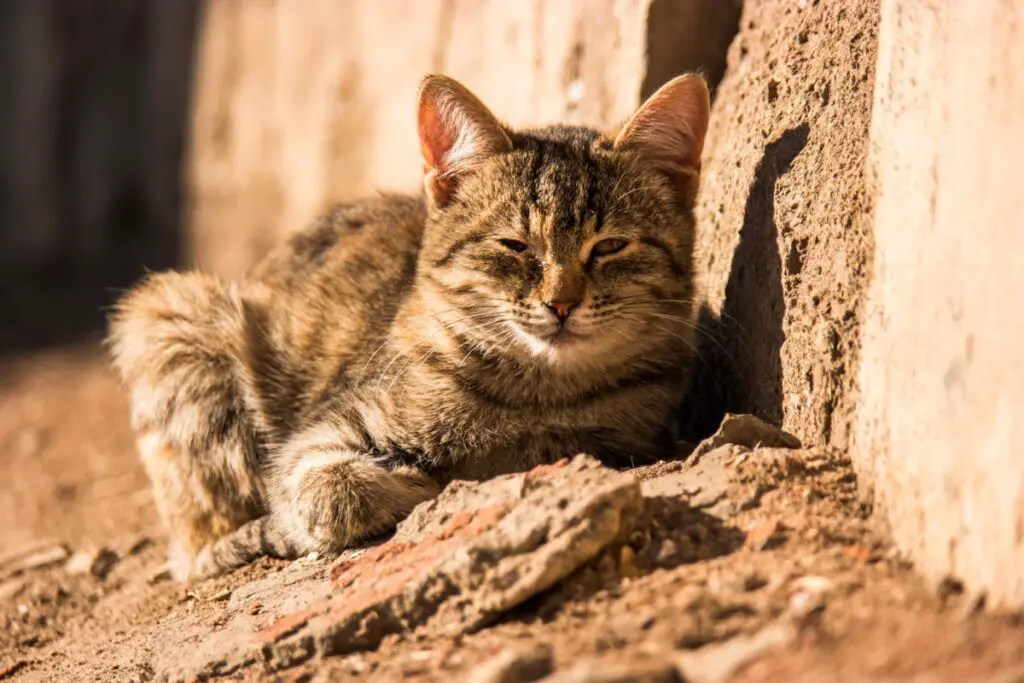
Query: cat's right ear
pixel 668 131
pixel 457 133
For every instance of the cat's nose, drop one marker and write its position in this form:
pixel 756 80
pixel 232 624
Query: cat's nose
pixel 561 309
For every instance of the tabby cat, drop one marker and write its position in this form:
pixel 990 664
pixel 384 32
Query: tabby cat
pixel 534 302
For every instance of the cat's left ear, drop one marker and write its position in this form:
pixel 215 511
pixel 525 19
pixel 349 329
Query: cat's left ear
pixel 668 130
pixel 457 133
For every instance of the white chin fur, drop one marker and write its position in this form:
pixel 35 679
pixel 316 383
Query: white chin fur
pixel 546 351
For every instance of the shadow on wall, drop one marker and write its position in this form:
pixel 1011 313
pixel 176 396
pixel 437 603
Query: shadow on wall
pixel 93 121
pixel 704 27
pixel 752 312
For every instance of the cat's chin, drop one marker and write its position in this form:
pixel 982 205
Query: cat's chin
pixel 562 349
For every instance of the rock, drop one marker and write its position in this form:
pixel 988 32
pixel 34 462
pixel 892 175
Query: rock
pixel 702 483
pixel 139 544
pixel 752 581
pixel 95 561
pixel 647 670
pixel 710 479
pixel 514 666
pixel 11 588
pixel 859 554
pixel 973 605
pixel 766 536
pixel 449 568
pixel 627 562
pixel 34 555
pixel 786 155
pixel 809 597
pixel 719 662
pixel 160 573
pixel 726 480
pixel 10 670
pixel 748 431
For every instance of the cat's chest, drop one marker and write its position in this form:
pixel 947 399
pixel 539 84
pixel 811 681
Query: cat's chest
pixel 446 424
pixel 455 427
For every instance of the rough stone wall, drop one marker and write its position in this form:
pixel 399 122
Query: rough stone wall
pixel 941 417
pixel 784 212
pixel 299 105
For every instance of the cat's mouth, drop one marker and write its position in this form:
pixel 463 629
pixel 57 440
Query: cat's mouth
pixel 559 342
pixel 563 337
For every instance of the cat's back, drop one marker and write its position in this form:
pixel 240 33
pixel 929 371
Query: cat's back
pixel 352 249
pixel 329 294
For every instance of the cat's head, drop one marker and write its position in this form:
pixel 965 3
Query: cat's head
pixel 561 244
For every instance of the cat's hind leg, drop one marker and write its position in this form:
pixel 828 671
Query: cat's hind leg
pixel 177 340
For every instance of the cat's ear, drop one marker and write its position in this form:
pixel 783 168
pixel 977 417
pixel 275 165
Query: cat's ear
pixel 457 133
pixel 668 130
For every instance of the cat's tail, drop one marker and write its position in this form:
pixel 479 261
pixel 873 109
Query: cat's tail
pixel 258 538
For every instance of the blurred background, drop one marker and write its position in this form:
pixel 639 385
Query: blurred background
pixel 147 134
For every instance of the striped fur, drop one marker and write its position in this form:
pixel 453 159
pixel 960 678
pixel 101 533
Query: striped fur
pixel 404 341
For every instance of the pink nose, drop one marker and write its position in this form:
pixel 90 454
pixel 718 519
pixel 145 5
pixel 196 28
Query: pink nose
pixel 561 308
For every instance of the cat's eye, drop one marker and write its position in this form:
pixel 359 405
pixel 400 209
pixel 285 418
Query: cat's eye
pixel 607 247
pixel 514 245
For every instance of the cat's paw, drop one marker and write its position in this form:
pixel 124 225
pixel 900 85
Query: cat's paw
pixel 337 499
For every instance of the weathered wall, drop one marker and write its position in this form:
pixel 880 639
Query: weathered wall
pixel 785 216
pixel 299 105
pixel 941 419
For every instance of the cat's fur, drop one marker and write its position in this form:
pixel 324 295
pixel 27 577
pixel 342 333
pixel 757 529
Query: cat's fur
pixel 404 341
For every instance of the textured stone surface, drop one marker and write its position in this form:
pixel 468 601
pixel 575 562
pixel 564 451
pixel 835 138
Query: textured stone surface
pixel 784 213
pixel 452 566
pixel 942 392
pixel 745 430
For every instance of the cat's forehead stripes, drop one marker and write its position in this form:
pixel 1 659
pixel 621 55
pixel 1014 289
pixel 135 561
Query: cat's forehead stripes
pixel 562 193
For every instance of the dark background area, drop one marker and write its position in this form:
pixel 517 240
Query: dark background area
pixel 93 122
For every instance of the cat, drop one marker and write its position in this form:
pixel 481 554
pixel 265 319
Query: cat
pixel 533 302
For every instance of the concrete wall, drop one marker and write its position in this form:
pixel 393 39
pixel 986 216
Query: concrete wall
pixel 784 215
pixel 303 104
pixel 941 420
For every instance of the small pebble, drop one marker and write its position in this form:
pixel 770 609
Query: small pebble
pixel 96 561
pixel 514 665
pixel 809 596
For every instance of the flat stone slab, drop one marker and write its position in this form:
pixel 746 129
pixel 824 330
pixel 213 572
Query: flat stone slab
pixel 456 564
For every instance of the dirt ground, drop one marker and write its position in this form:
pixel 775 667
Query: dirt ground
pixel 800 541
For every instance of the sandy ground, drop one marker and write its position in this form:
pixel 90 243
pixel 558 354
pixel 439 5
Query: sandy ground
pixel 69 474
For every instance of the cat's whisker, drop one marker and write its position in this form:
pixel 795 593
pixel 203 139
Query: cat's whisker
pixel 447 326
pixel 688 343
pixel 717 301
pixel 642 188
pixel 386 341
pixel 691 324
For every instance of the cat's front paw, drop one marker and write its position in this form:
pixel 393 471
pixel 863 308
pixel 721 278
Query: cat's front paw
pixel 337 499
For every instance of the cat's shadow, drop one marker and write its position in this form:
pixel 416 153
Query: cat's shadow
pixel 740 370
